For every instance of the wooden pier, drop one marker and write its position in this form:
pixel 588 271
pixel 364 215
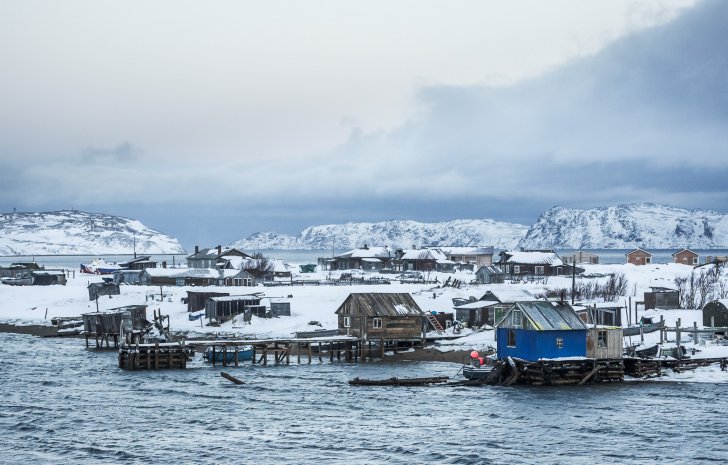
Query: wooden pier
pixel 157 356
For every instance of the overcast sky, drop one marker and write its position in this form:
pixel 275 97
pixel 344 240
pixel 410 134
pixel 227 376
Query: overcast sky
pixel 214 120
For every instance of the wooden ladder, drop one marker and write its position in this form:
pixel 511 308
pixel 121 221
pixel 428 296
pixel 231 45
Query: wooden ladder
pixel 435 324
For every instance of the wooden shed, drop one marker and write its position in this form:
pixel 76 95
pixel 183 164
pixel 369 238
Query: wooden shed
pixel 715 314
pixel 662 297
pixel 604 342
pixel 107 323
pixel 48 277
pixel 196 299
pixel 477 313
pixel 639 257
pixel 685 257
pixel 381 316
pixel 225 308
pixel 490 274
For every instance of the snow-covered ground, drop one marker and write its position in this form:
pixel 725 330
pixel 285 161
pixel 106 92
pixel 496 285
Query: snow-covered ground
pixel 36 305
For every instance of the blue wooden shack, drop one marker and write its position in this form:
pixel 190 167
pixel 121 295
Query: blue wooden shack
pixel 541 329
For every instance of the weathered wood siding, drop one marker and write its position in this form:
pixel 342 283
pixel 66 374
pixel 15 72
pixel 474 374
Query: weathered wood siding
pixel 612 348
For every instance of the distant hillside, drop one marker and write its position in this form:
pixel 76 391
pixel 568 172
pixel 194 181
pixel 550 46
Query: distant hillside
pixel 398 233
pixel 75 232
pixel 626 226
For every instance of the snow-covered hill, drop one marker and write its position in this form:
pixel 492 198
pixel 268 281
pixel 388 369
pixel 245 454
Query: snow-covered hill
pixel 75 232
pixel 624 226
pixel 396 233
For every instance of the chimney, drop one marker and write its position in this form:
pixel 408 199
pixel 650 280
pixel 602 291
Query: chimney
pixel 219 250
pixel 197 249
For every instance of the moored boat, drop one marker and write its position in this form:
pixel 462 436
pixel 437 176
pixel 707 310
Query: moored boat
pixel 24 279
pixel 244 354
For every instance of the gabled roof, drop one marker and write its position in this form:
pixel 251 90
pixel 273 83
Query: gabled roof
pixel 533 258
pixel 456 250
pixel 211 253
pixel 547 316
pixel 478 304
pixel 684 250
pixel 638 250
pixel 382 304
pixel 492 269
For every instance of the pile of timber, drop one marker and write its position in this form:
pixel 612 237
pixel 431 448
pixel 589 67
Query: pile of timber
pixel 654 367
pixel 399 381
pixel 154 356
pixel 564 372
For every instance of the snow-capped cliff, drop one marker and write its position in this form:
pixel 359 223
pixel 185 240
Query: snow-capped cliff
pixel 399 233
pixel 624 226
pixel 75 232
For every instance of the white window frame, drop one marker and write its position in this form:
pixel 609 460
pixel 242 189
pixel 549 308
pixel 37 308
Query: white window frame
pixel 539 269
pixel 648 260
pixel 517 322
pixel 377 323
pixel 516 269
pixel 695 260
pixel 559 342
pixel 602 339
pixel 347 322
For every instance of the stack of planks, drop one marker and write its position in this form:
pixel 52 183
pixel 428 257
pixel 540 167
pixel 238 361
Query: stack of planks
pixel 154 356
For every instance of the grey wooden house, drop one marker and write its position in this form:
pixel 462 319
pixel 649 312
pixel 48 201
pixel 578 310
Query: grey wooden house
pixel 224 308
pixel 388 317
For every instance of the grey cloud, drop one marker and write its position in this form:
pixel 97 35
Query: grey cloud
pixel 123 153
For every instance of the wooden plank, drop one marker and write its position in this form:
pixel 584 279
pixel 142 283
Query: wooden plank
pixel 231 378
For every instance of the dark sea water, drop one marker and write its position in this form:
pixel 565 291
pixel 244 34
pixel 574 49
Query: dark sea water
pixel 63 404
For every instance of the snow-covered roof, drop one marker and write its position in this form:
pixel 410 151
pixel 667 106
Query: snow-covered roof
pixel 235 298
pixel 369 252
pixel 638 250
pixel 424 254
pixel 482 250
pixel 534 258
pixel 478 304
pixel 509 295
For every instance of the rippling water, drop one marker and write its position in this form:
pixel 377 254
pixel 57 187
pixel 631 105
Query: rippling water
pixel 62 403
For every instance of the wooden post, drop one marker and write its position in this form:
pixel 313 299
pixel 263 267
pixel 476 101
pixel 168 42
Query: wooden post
pixel 236 356
pixel 298 352
pixel 382 343
pixel 695 332
pixel 331 353
pixel 224 355
pixel 320 359
pixel 213 355
pixel 156 355
pixel 310 356
pixel 677 333
pixel 265 356
pixel 288 353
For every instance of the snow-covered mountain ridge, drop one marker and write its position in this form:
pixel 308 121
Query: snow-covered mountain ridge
pixel 395 233
pixel 76 232
pixel 643 225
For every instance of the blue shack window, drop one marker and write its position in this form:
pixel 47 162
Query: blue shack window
pixel 559 342
pixel 511 338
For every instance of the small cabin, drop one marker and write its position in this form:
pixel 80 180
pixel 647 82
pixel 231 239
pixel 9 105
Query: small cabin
pixel 715 314
pixel 662 297
pixel 639 257
pixel 128 276
pixel 477 313
pixel 381 316
pixel 541 329
pixel 196 299
pixel 686 257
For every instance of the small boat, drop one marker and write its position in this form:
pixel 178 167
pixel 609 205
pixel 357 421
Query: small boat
pixel 481 372
pixel 244 354
pixel 23 279
pixel 645 327
pixel 99 266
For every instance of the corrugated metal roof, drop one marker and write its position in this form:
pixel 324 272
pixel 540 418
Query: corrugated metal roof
pixel 382 304
pixel 546 316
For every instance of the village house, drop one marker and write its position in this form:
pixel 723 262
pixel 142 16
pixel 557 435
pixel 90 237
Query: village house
pixel 715 314
pixel 387 317
pixel 16 269
pixel 217 257
pixel 468 257
pixel 139 263
pixel 541 329
pixel 48 277
pixel 685 257
pixel 490 274
pixel 639 257
pixel 365 258
pixel 532 263
pixel 223 308
pixel 424 260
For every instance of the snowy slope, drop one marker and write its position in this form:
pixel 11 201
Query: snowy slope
pixel 75 232
pixel 625 226
pixel 399 233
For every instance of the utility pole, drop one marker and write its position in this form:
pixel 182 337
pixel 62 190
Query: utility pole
pixel 573 278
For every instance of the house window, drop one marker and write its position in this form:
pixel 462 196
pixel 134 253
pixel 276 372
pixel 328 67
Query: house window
pixel 648 260
pixel 516 269
pixel 511 338
pixel 602 339
pixel 377 323
pixel 347 322
pixel 559 342
pixel 539 269
pixel 507 269
pixel 517 316
pixel 695 260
